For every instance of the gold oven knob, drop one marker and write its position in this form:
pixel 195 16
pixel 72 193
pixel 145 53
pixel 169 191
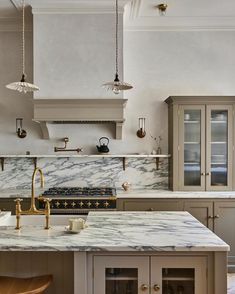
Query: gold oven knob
pixel 144 287
pixel 97 204
pixel 57 204
pixel 81 204
pixel 89 204
pixel 156 287
pixel 106 204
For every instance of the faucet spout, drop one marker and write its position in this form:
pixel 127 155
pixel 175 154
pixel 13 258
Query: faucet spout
pixel 33 209
pixel 36 171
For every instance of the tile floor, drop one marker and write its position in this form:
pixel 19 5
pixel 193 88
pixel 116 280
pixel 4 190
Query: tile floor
pixel 231 283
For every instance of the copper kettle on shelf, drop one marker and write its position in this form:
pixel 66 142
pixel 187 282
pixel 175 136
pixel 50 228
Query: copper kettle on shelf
pixel 103 147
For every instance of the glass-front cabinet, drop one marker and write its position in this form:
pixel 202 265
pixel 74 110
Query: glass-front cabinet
pixel 158 275
pixel 201 141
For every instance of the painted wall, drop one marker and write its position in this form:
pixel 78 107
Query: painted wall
pixel 158 64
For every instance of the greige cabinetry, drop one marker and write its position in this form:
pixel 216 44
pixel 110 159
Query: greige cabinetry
pixel 8 204
pixel 219 216
pixel 150 274
pixel 149 205
pixel 201 142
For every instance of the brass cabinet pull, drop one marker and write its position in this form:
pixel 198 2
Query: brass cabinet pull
pixel 144 287
pixel 203 174
pixel 210 216
pixel 150 209
pixel 156 287
pixel 208 174
pixel 216 216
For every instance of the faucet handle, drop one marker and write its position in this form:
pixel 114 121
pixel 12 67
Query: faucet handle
pixel 42 198
pixel 18 200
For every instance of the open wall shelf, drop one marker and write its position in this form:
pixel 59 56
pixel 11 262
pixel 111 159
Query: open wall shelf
pixel 157 157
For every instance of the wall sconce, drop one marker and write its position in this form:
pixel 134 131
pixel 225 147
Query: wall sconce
pixel 162 8
pixel 141 132
pixel 19 128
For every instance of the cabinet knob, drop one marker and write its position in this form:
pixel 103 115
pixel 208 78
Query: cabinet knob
pixel 144 287
pixel 210 216
pixel 150 209
pixel 156 287
pixel 203 174
pixel 208 174
pixel 216 216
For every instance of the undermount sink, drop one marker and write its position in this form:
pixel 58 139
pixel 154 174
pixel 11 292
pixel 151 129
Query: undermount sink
pixel 39 220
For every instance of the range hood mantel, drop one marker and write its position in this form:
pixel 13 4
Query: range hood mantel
pixel 79 111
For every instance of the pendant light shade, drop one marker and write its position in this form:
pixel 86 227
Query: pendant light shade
pixel 117 86
pixel 22 86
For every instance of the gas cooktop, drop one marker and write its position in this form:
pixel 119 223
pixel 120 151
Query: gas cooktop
pixel 80 192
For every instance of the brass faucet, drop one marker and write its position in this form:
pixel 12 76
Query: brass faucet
pixel 33 210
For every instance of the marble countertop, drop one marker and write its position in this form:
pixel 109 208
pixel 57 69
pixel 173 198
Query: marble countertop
pixel 150 194
pixel 118 231
pixel 170 194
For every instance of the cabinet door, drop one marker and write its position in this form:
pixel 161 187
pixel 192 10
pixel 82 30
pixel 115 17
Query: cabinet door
pixel 171 275
pixel 219 147
pixel 121 274
pixel 224 221
pixel 156 205
pixel 192 147
pixel 202 211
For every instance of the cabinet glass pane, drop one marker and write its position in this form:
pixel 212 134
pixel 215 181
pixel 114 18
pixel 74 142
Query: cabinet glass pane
pixel 219 147
pixel 121 281
pixel 178 281
pixel 192 147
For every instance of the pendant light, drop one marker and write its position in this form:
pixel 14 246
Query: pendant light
pixel 117 86
pixel 23 86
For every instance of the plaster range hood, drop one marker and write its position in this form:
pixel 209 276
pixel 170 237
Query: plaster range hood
pixel 72 111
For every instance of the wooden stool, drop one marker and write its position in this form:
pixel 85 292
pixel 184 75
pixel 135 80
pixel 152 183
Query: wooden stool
pixel 35 285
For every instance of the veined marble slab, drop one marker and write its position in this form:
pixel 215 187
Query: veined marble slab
pixel 119 231
pixel 153 194
pixel 85 172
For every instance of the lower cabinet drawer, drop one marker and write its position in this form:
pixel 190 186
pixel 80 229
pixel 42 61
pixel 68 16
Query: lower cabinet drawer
pixel 159 205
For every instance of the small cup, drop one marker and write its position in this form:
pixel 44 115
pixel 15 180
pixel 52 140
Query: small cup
pixel 76 224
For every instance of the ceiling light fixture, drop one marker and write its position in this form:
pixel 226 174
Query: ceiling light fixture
pixel 23 86
pixel 162 8
pixel 117 86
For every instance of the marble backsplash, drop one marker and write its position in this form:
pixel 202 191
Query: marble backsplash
pixel 85 172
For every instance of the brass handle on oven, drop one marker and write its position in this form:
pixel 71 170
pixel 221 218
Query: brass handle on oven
pixel 156 287
pixel 144 287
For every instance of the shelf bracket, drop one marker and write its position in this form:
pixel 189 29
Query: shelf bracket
pixel 35 161
pixel 124 163
pixel 157 163
pixel 2 163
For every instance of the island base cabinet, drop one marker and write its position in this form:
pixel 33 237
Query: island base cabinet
pixel 150 274
pixel 180 275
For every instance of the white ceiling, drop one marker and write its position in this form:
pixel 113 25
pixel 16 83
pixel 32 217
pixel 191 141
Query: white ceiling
pixel 143 15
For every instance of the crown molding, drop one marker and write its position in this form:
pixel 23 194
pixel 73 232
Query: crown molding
pixel 72 6
pixel 181 24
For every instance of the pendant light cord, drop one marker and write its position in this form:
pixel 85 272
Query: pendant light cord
pixel 116 37
pixel 23 36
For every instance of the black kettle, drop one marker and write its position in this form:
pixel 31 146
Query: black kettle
pixel 104 142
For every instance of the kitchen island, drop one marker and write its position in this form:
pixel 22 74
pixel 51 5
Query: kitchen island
pixel 126 250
